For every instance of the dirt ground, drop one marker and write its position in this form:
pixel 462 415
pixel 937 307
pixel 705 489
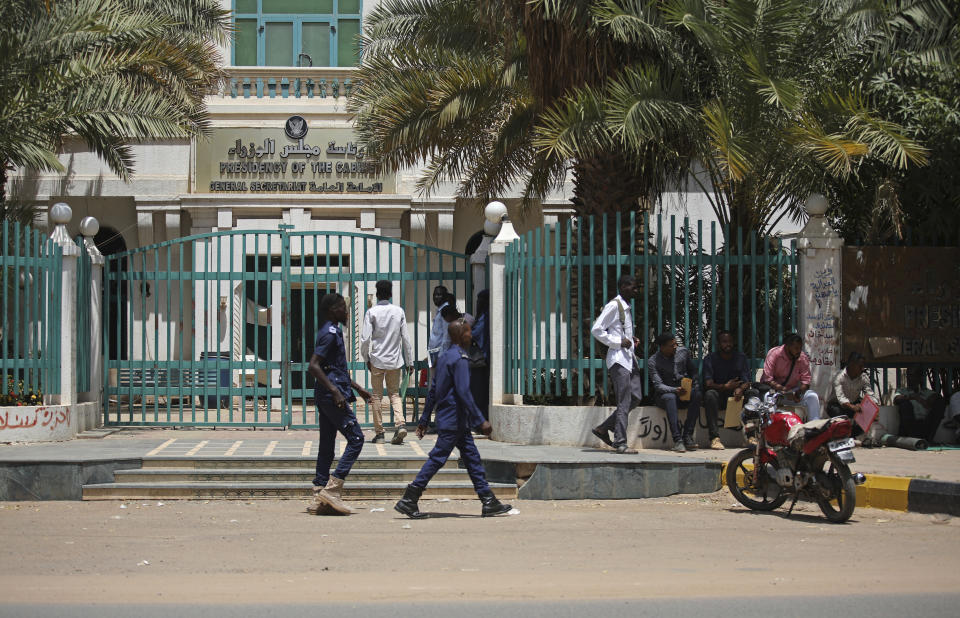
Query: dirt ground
pixel 273 552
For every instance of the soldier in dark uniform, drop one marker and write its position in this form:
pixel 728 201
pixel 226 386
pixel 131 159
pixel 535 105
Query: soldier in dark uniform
pixel 333 394
pixel 457 413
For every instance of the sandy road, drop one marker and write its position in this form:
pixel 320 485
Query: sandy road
pixel 272 552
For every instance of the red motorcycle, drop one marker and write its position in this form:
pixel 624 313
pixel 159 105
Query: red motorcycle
pixel 792 458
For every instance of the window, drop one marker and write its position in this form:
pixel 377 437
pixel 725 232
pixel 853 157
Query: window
pixel 288 33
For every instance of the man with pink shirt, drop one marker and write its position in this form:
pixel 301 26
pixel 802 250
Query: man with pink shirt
pixel 787 370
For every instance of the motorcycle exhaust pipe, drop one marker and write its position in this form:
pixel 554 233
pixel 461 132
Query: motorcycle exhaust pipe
pixel 910 444
pixel 859 478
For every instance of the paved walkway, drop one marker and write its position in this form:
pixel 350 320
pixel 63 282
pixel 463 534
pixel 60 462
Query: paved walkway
pixel 938 465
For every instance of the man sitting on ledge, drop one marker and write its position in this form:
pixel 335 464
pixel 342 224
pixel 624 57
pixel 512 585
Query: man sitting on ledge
pixel 670 364
pixel 787 370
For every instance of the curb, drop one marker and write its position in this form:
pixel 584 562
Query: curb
pixel 899 493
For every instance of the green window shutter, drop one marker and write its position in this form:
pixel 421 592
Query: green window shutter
pixel 279 44
pixel 349 6
pixel 245 43
pixel 348 44
pixel 246 6
pixel 316 42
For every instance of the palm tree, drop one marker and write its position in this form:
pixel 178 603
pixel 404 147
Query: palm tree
pixel 108 71
pixel 762 100
pixel 462 88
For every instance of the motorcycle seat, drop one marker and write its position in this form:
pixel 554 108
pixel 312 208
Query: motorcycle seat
pixel 808 430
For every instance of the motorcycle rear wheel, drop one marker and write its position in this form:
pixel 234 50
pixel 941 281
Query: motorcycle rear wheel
pixel 753 489
pixel 839 507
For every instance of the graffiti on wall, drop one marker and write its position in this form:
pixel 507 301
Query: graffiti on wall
pixel 29 417
pixel 821 335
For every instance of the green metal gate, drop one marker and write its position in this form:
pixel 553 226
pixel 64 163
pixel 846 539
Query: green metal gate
pixel 692 279
pixel 217 329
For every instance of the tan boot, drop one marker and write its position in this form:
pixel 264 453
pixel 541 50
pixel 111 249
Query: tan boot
pixel 330 495
pixel 716 444
pixel 318 506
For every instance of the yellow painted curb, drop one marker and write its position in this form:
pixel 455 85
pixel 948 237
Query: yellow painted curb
pixel 884 492
pixel 878 492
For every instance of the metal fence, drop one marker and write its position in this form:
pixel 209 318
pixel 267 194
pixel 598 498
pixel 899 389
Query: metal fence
pixel 218 329
pixel 692 279
pixel 30 267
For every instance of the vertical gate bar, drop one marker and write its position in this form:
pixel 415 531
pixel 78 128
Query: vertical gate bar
pixel 286 405
pixel 509 299
pixel 169 356
pixel 18 318
pixel 714 276
pixel 645 261
pixel 104 337
pixel 131 361
pixel 567 314
pixel 767 304
pixel 5 261
pixel 156 333
pixel 556 308
pixel 740 258
pixel 304 331
pixel 727 246
pixel 660 274
pixel 699 267
pixel 256 332
pixel 539 280
pixel 206 329
pixel 366 292
pixel 591 294
pixel 182 330
pixel 235 356
pixel 672 260
pixel 604 274
pixel 29 317
pixel 795 321
pixel 782 268
pixel 218 358
pixel 753 292
pixel 685 270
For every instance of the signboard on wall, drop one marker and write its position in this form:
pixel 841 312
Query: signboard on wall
pixel 901 304
pixel 292 158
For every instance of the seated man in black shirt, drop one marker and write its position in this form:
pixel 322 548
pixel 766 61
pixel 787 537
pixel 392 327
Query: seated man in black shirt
pixel 725 375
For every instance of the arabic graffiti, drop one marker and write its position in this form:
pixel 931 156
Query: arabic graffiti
pixel 656 430
pixel 821 323
pixel 50 418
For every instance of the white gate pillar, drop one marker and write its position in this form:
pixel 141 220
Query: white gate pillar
pixel 60 215
pixel 819 291
pixel 89 227
pixel 498 306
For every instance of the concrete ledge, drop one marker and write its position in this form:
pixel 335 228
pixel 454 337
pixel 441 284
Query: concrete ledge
pixel 647 426
pixel 566 481
pixel 56 481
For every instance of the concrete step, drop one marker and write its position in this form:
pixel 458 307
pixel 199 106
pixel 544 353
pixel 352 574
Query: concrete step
pixel 267 475
pixel 279 490
pixel 410 462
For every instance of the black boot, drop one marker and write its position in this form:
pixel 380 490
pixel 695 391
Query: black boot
pixel 492 506
pixel 408 503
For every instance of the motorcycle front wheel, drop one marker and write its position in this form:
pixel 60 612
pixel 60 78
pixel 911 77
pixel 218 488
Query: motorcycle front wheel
pixel 750 485
pixel 837 491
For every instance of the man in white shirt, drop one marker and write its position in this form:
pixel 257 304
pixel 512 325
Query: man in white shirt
pixel 614 328
pixel 385 347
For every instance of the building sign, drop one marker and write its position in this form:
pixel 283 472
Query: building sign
pixel 901 304
pixel 292 158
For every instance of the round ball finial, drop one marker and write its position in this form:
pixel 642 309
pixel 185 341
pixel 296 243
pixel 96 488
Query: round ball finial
pixel 816 205
pixel 60 213
pixel 89 226
pixel 495 211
